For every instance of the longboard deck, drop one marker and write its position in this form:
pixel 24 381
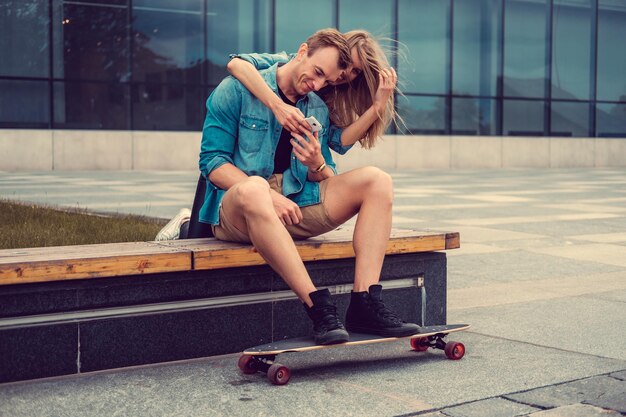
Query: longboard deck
pixel 303 344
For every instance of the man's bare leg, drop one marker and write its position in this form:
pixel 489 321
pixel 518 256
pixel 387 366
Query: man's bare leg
pixel 369 192
pixel 248 206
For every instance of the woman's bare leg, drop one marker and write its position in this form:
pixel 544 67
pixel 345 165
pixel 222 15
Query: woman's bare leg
pixel 367 192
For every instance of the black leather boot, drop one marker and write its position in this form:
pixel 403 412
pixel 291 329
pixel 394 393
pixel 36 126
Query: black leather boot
pixel 367 314
pixel 327 328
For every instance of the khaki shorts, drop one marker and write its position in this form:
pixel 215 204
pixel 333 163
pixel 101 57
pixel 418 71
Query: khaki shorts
pixel 315 219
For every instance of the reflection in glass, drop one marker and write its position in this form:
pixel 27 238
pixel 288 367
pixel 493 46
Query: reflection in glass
pixel 91 105
pixel 423 28
pixel 149 64
pixel 235 26
pixel 525 43
pixel 168 107
pixel 24 26
pixel 105 2
pixel 522 118
pixel 611 120
pixel 571 49
pixel 357 14
pixel 90 41
pixel 473 116
pixel 569 119
pixel 423 114
pixel 296 20
pixel 168 39
pixel 475 47
pixel 169 5
pixel 24 104
pixel 611 50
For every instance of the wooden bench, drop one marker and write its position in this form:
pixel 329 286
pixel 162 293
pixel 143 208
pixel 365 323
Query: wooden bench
pixel 73 309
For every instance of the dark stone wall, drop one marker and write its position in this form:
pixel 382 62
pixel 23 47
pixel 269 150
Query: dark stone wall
pixel 90 341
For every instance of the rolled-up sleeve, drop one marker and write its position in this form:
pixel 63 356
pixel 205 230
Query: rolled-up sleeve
pixel 263 61
pixel 334 140
pixel 219 133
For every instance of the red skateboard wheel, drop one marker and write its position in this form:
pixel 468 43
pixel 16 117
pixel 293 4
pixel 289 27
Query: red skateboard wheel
pixel 247 364
pixel 454 350
pixel 278 374
pixel 419 344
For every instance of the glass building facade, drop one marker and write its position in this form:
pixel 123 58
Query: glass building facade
pixel 466 67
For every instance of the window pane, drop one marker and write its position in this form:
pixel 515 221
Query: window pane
pixel 611 50
pixel 611 120
pixel 168 39
pixel 525 43
pixel 116 2
pixel 90 41
pixel 168 107
pixel 250 34
pixel 24 27
pixel 570 119
pixel 571 49
pixel 169 5
pixel 522 118
pixel 472 116
pixel 296 20
pixel 91 105
pixel 423 28
pixel 423 114
pixel 24 104
pixel 357 14
pixel 475 47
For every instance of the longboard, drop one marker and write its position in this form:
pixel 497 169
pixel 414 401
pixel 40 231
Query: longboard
pixel 262 358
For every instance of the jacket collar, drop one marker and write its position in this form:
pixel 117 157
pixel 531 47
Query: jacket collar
pixel 269 75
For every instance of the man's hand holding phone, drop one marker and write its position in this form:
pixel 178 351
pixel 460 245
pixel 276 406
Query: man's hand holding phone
pixel 307 148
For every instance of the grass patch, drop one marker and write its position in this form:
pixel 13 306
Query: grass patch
pixel 28 226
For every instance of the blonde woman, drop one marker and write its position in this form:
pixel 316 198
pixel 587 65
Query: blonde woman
pixel 360 102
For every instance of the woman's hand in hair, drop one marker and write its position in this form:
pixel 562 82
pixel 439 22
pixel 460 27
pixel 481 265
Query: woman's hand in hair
pixel 387 80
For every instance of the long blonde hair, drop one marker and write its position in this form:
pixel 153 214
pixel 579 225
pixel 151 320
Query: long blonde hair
pixel 348 101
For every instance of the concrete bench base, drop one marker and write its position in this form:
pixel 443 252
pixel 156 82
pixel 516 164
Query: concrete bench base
pixel 63 327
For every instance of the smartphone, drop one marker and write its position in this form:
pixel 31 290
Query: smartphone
pixel 315 125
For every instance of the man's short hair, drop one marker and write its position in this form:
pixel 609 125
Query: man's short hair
pixel 330 38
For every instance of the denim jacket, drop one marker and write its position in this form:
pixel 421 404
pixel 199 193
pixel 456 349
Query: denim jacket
pixel 264 61
pixel 239 129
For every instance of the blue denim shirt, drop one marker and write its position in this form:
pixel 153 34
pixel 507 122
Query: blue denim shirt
pixel 239 129
pixel 264 61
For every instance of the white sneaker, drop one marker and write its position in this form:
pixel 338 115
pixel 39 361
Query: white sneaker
pixel 171 230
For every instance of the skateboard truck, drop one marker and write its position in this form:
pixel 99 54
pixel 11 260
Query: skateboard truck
pixel 453 350
pixel 277 373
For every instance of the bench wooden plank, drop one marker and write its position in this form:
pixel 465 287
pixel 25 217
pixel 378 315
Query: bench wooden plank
pixel 212 254
pixel 453 240
pixel 19 266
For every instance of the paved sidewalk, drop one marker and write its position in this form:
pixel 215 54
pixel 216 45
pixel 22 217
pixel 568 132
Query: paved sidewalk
pixel 541 276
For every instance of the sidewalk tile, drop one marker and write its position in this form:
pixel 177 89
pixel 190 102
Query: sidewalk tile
pixel 591 390
pixel 576 410
pixel 601 253
pixel 494 407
